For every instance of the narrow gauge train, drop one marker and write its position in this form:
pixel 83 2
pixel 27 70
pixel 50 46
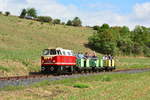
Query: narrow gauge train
pixel 64 61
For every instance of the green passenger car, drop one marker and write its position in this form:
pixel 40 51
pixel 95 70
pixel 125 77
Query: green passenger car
pixel 80 63
pixel 87 63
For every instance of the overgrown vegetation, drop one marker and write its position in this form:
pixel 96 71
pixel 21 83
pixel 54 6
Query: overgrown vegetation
pixel 120 40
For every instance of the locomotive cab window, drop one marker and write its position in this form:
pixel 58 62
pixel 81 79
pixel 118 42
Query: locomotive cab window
pixel 64 53
pixel 59 52
pixel 52 52
pixel 69 53
pixel 46 52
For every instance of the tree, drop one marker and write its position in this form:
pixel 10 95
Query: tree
pixel 103 42
pixel 45 19
pixel 7 13
pixel 69 23
pixel 76 21
pixel 23 13
pixel 105 26
pixel 56 21
pixel 121 40
pixel 1 12
pixel 32 12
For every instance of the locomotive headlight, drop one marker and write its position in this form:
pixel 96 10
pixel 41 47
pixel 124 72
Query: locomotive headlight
pixel 42 61
pixel 53 61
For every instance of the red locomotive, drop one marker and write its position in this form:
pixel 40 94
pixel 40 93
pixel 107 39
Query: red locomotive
pixel 57 60
pixel 64 61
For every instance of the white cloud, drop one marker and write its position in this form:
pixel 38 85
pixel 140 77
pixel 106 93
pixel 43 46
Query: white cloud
pixel 139 15
pixel 142 11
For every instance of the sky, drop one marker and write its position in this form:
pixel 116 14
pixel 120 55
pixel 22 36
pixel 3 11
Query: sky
pixel 92 12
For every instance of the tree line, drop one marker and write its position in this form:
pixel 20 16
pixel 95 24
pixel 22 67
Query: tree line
pixel 47 19
pixel 7 13
pixel 31 13
pixel 120 40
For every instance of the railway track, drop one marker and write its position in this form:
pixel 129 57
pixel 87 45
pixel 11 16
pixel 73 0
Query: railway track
pixel 38 77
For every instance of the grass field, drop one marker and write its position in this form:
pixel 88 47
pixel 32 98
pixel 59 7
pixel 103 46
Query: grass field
pixel 96 87
pixel 132 62
pixel 22 41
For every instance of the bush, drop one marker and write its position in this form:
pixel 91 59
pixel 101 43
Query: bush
pixel 96 27
pixel 45 19
pixel 7 13
pixel 76 22
pixel 103 42
pixel 56 21
pixel 146 51
pixel 69 23
pixel 81 85
pixel 137 48
pixel 125 46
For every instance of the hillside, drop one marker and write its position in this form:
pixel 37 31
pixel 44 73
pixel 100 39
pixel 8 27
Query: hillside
pixel 22 41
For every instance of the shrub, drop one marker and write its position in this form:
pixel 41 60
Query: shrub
pixel 81 85
pixel 56 21
pixel 137 48
pixel 146 51
pixel 45 19
pixel 76 22
pixel 69 23
pixel 96 27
